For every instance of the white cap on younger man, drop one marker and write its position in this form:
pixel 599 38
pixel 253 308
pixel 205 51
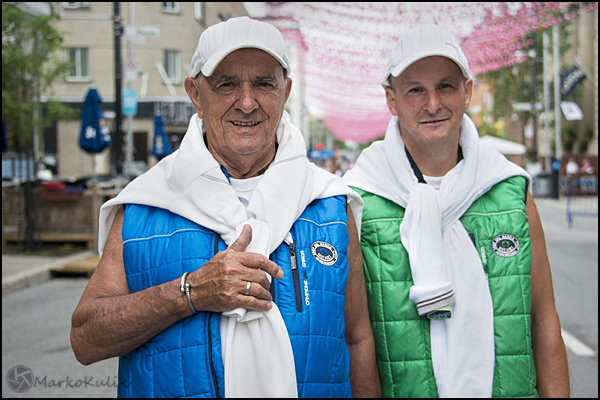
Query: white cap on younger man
pixel 421 42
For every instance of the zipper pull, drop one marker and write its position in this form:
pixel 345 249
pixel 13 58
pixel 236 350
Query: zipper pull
pixel 289 240
pixel 293 256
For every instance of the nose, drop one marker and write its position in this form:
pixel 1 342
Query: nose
pixel 247 99
pixel 432 102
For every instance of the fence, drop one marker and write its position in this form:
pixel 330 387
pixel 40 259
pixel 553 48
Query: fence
pixel 58 217
pixel 582 198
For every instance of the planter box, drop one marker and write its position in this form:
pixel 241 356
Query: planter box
pixel 55 195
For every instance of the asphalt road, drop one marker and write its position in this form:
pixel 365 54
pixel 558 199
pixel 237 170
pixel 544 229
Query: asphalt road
pixel 573 256
pixel 35 322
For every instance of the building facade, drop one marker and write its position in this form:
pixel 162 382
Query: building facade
pixel 157 44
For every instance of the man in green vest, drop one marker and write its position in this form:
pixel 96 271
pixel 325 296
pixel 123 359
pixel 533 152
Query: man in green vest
pixel 458 277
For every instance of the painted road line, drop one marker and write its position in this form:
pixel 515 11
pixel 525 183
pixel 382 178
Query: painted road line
pixel 577 346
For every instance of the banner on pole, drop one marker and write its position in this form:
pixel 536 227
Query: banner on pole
pixel 570 79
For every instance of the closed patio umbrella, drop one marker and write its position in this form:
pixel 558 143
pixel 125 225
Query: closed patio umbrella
pixel 161 146
pixel 95 135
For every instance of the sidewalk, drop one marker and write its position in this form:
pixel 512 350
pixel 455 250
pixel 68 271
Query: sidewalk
pixel 23 271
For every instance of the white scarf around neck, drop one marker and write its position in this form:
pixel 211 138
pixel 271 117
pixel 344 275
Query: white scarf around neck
pixel 259 360
pixel 445 266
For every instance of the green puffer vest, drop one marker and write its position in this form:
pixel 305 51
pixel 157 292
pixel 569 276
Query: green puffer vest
pixel 402 337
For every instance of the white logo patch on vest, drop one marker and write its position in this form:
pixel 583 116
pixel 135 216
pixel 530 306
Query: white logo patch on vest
pixel 505 245
pixel 324 253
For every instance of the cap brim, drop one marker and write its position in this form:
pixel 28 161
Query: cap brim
pixel 211 64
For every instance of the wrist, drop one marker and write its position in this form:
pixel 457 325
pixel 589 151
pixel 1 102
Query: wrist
pixel 184 289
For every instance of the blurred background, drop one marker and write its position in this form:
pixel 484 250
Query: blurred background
pixel 93 96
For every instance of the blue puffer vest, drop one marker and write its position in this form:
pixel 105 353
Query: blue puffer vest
pixel 185 360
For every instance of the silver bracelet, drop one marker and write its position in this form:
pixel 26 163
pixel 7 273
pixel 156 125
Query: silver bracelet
pixel 185 289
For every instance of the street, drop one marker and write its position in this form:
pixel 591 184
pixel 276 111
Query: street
pixel 574 261
pixel 36 321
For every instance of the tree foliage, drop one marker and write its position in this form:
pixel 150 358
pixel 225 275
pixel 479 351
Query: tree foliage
pixel 29 68
pixel 514 84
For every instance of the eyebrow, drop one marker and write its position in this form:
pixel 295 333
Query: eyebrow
pixel 267 78
pixel 449 79
pixel 223 78
pixel 229 78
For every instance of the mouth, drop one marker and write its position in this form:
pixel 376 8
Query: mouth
pixel 245 123
pixel 434 121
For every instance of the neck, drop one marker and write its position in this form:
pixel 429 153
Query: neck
pixel 244 167
pixel 434 160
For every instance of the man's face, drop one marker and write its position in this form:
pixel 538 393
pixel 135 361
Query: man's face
pixel 430 100
pixel 242 103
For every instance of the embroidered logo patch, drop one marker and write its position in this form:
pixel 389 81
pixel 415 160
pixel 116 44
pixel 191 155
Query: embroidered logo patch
pixel 505 245
pixel 324 253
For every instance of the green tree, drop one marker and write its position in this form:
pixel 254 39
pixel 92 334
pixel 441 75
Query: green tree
pixel 514 84
pixel 29 68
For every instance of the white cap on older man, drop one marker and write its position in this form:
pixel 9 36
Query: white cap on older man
pixel 219 40
pixel 421 42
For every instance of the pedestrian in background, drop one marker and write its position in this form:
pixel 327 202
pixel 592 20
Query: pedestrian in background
pixel 572 168
pixel 458 278
pixel 232 268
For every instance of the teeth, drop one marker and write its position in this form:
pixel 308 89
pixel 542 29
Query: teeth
pixel 240 123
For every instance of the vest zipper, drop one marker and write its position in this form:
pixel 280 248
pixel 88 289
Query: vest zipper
pixel 295 273
pixel 210 355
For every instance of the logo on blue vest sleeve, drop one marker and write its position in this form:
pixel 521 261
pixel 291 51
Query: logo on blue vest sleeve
pixel 324 253
pixel 505 245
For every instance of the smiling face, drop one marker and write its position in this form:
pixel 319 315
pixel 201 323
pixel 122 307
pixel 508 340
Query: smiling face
pixel 430 99
pixel 242 104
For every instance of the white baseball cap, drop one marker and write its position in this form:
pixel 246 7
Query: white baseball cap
pixel 421 42
pixel 219 40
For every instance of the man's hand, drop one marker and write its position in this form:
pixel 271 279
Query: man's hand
pixel 221 283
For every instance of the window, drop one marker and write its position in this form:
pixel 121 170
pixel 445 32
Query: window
pixel 171 7
pixel 80 64
pixel 173 66
pixel 74 6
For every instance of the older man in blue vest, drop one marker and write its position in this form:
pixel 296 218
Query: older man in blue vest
pixel 232 268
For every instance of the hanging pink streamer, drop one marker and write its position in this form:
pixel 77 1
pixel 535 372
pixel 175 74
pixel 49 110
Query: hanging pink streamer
pixel 343 48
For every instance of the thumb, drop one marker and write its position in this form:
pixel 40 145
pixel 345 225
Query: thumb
pixel 243 240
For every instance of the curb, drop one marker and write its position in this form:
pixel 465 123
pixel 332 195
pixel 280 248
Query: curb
pixel 39 274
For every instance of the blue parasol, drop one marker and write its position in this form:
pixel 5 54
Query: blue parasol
pixel 161 147
pixel 95 135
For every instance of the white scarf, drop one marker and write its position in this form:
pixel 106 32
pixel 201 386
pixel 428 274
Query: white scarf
pixel 445 266
pixel 259 360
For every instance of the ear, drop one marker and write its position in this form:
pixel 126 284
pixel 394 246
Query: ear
pixel 468 92
pixel 288 88
pixel 191 88
pixel 391 100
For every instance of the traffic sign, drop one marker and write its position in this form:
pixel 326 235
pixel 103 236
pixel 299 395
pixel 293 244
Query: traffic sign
pixel 129 102
pixel 130 70
pixel 141 31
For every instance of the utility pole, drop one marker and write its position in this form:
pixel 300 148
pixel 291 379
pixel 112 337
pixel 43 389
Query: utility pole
pixel 534 149
pixel 546 45
pixel 117 149
pixel 129 148
pixel 557 113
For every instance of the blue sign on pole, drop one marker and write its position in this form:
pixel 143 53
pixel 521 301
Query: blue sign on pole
pixel 129 102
